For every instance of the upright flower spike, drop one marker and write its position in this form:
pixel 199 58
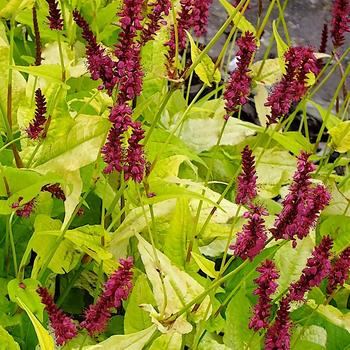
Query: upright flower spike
pixel 128 68
pixel 200 16
pixel 246 181
pixel 116 289
pixel 238 87
pixel 300 61
pixel 278 334
pixel 266 287
pixel 324 39
pixel 62 325
pixel 100 65
pixel 302 205
pixel 339 272
pixel 340 23
pixel 155 19
pixel 38 57
pixel 55 19
pixel 251 241
pixel 36 127
pixel 317 268
pixel 184 22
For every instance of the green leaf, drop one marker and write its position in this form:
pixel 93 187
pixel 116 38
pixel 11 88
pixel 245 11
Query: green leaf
pixel 269 71
pixel 168 341
pixel 340 137
pixel 6 341
pixel 291 261
pixel 180 230
pixel 328 118
pixel 338 227
pixel 51 72
pixel 26 291
pixel 180 288
pixel 46 342
pixel 205 68
pixel 134 341
pixel 13 7
pixel 206 265
pixel 72 146
pixel 311 337
pixel 202 133
pixel 136 319
pixel 274 169
pixel 237 334
pixel 282 47
pixel 331 314
pixel 239 20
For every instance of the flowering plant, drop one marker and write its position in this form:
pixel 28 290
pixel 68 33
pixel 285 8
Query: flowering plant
pixel 167 187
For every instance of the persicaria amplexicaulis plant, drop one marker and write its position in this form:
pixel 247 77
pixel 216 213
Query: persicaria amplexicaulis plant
pixel 150 145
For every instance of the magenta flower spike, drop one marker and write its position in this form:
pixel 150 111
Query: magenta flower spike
pixel 128 68
pixel 278 334
pixel 246 181
pixel 36 127
pixel 63 326
pixel 100 65
pixel 317 268
pixel 116 289
pixel 155 19
pixel 266 287
pixel 340 23
pixel 55 19
pixel 302 205
pixel 238 87
pixel 251 241
pixel 324 39
pixel 339 272
pixel 299 62
pixel 24 210
pixel 200 16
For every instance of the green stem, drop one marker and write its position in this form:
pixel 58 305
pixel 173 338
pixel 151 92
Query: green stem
pixel 12 243
pixel 83 341
pixel 11 142
pixel 61 56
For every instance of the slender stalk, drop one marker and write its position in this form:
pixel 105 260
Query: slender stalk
pixel 12 242
pixel 61 56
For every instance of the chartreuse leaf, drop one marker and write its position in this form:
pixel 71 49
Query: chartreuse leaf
pixel 237 334
pixel 267 72
pixel 340 137
pixel 134 341
pixel 26 291
pixel 73 145
pixel 136 319
pixel 239 20
pixel 169 341
pixel 290 262
pixel 13 7
pixel 338 227
pixel 205 69
pixel 331 314
pixel 282 47
pixel 180 230
pixel 206 265
pixel 46 342
pixel 329 119
pixel 6 341
pixel 179 287
pixel 311 337
pixel 51 72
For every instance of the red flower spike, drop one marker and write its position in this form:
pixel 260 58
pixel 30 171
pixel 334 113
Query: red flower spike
pixel 62 325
